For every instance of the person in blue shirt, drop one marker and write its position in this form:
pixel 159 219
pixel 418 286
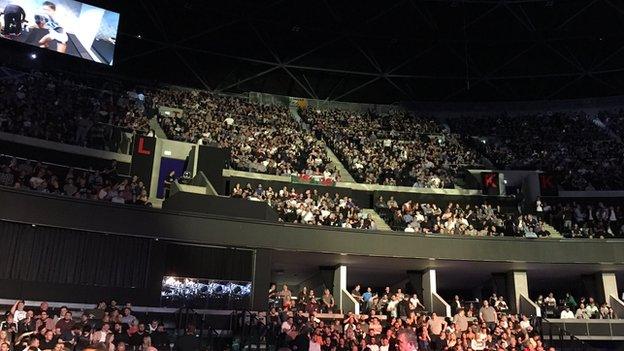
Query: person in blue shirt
pixel 366 297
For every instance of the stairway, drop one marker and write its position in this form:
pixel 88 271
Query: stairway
pixel 554 233
pixel 153 124
pixel 345 176
pixel 381 224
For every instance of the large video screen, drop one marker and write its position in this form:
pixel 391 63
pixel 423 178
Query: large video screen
pixel 66 26
pixel 198 293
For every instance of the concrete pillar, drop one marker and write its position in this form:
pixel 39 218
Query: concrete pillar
pixel 340 284
pixel 415 280
pixel 430 286
pixel 517 284
pixel 606 286
pixel 261 280
pixel 424 284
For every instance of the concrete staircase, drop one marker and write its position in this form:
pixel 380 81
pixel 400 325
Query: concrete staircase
pixel 153 124
pixel 381 224
pixel 553 232
pixel 334 161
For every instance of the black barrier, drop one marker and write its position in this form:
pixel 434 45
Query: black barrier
pixel 80 274
pixel 222 206
pixel 59 157
pixel 29 207
pixel 143 154
pixel 212 161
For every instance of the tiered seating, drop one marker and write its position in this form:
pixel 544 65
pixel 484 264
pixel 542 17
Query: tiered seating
pixel 397 149
pixel 55 107
pixel 261 138
pixel 566 144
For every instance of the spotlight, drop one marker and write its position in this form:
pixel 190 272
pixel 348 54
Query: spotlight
pixel 33 56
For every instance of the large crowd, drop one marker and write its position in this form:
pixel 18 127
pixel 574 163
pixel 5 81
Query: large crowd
pixel 576 220
pixel 102 185
pixel 457 219
pixel 568 308
pixel 310 207
pixel 569 145
pixel 393 149
pixel 56 107
pixel 394 320
pixel 261 138
pixel 106 327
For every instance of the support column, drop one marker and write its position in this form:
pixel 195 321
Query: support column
pixel 606 286
pixel 416 281
pixel 425 285
pixel 430 286
pixel 343 298
pixel 517 285
pixel 261 280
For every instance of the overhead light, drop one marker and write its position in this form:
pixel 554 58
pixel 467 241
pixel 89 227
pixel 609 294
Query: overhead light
pixel 33 56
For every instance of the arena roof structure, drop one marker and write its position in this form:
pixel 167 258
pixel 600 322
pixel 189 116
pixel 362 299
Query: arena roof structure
pixel 382 52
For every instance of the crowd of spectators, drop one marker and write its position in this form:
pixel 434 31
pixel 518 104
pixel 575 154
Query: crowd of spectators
pixel 56 107
pixel 457 219
pixel 261 138
pixel 394 149
pixel 568 308
pixel 103 185
pixel 613 121
pixel 576 220
pixel 308 207
pixel 107 327
pixel 569 145
pixel 393 320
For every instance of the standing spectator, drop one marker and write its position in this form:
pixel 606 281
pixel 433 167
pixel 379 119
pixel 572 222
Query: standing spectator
pixel 487 314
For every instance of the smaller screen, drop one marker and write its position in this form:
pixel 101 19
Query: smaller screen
pixel 65 26
pixel 199 293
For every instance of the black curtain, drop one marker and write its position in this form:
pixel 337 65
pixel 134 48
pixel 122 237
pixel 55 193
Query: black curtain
pixel 62 256
pixel 209 263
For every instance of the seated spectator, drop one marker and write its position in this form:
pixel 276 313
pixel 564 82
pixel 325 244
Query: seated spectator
pixel 309 207
pixel 88 184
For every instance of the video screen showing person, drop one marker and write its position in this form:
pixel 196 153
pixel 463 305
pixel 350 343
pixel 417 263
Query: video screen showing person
pixel 65 26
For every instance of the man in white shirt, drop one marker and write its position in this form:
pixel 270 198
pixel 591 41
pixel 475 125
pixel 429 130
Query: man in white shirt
pixel 567 314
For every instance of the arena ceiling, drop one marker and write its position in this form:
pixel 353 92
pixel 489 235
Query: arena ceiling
pixel 380 51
